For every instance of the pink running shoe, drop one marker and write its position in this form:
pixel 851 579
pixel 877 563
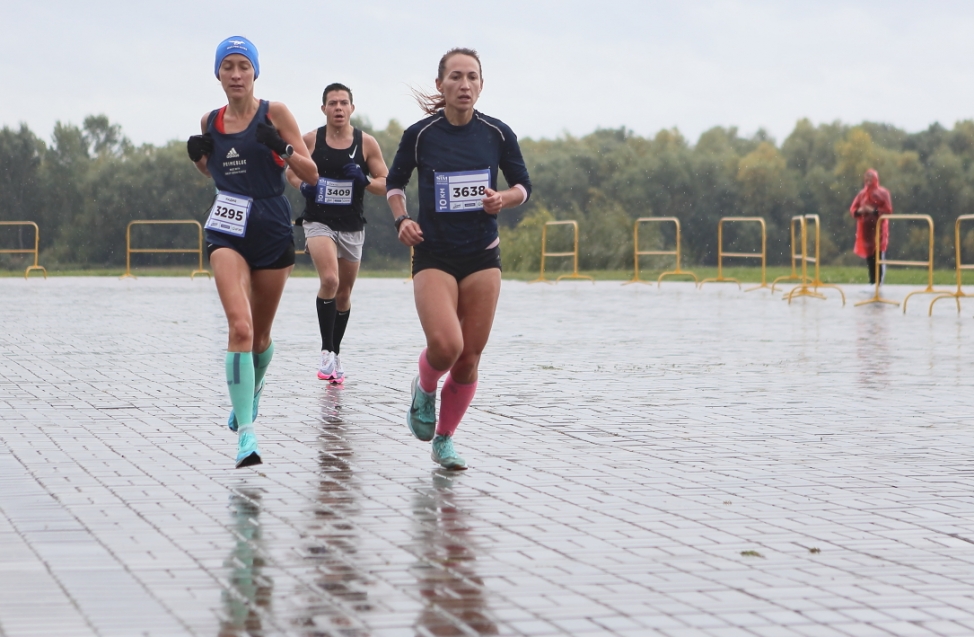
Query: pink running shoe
pixel 339 375
pixel 326 368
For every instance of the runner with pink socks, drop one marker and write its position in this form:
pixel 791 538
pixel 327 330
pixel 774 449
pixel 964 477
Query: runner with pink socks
pixel 458 153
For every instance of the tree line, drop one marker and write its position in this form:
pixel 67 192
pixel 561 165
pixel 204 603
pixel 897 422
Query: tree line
pixel 84 185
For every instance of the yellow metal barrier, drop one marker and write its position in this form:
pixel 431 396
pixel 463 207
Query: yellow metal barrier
pixel 741 255
pixel 129 251
pixel 880 262
pixel 795 254
pixel 814 282
pixel 960 267
pixel 305 243
pixel 34 251
pixel 637 252
pixel 574 253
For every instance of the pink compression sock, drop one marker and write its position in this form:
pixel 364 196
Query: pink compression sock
pixel 454 400
pixel 428 375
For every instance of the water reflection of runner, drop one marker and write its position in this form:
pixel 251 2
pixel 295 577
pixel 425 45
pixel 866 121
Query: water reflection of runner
pixel 457 152
pixel 244 147
pixel 338 603
pixel 247 602
pixel 349 162
pixel 449 585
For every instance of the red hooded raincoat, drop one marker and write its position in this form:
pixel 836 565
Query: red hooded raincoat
pixel 878 197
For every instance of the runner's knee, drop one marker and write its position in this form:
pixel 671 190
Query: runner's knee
pixel 241 334
pixel 464 370
pixel 443 351
pixel 329 285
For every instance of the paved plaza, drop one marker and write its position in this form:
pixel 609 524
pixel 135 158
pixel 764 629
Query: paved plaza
pixel 643 461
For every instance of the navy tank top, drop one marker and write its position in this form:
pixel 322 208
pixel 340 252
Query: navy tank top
pixel 241 165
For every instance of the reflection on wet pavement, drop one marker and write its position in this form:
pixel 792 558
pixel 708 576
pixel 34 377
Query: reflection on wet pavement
pixel 643 461
pixel 248 597
pixel 873 347
pixel 332 540
pixel 446 569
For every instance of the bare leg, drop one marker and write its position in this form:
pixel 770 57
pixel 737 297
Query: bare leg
pixel 232 276
pixel 477 304
pixel 267 288
pixel 324 254
pixel 436 294
pixel 457 318
pixel 347 274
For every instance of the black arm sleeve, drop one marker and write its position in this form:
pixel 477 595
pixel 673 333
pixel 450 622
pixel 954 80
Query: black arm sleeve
pixel 512 164
pixel 404 163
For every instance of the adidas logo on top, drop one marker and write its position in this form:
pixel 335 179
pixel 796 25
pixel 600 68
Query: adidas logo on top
pixel 233 153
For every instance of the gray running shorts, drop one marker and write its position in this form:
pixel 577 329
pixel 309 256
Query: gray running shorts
pixel 349 243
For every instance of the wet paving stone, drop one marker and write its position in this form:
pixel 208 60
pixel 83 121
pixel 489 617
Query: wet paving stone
pixel 643 461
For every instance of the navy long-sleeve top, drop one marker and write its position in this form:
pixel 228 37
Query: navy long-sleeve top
pixel 455 163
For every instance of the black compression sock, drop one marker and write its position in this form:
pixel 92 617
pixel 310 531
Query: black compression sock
pixel 326 322
pixel 341 322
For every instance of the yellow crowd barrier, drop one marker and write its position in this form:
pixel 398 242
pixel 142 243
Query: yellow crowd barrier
pixel 129 250
pixel 34 250
pixel 809 285
pixel 763 255
pixel 880 262
pixel 795 254
pixel 296 251
pixel 959 267
pixel 638 253
pixel 574 253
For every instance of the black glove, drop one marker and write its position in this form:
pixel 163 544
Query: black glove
pixel 354 172
pixel 199 145
pixel 268 136
pixel 309 191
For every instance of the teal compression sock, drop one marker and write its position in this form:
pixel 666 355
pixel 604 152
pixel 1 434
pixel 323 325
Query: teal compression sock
pixel 240 381
pixel 261 362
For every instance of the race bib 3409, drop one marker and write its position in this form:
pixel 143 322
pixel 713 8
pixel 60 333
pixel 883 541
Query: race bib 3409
pixel 461 191
pixel 336 193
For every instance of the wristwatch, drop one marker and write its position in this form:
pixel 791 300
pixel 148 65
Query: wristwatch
pixel 288 151
pixel 400 219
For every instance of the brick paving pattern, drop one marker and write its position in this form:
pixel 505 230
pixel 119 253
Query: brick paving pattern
pixel 643 462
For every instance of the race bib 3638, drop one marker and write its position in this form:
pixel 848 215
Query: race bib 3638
pixel 461 191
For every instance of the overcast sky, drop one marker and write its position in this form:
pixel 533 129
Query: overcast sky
pixel 550 67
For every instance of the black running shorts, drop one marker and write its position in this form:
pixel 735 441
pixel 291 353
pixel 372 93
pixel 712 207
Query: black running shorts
pixel 459 267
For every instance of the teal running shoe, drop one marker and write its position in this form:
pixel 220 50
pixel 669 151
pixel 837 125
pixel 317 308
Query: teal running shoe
pixel 445 455
pixel 247 452
pixel 232 420
pixel 421 417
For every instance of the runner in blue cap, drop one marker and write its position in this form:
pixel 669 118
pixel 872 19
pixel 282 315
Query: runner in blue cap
pixel 458 153
pixel 245 147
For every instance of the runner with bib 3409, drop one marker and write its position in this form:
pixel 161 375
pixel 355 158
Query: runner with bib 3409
pixel 349 162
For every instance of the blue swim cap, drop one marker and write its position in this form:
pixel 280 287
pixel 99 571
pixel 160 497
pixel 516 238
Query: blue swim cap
pixel 237 44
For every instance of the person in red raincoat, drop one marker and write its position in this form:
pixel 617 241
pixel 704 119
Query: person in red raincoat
pixel 871 202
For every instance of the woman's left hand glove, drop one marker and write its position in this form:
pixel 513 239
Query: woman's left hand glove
pixel 268 136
